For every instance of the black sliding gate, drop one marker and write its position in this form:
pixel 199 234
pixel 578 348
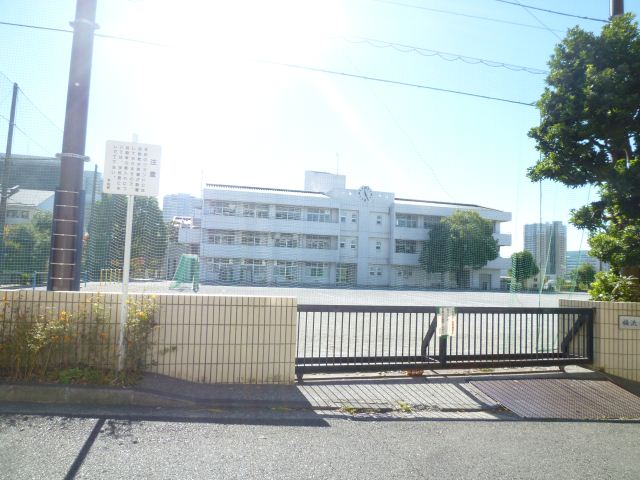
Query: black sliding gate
pixel 348 338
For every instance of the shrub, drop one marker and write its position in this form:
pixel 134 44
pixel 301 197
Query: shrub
pixel 41 342
pixel 611 287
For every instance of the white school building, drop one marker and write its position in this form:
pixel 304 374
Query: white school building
pixel 325 235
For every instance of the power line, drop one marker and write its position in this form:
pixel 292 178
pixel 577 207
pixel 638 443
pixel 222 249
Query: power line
pixel 447 56
pixel 526 9
pixel 370 41
pixel 53 124
pixel 102 35
pixel 394 82
pixel 459 14
pixel 404 132
pixel 555 12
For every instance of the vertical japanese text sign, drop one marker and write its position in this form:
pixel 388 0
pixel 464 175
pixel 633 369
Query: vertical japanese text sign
pixel 132 169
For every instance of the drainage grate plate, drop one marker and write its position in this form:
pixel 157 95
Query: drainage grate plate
pixel 563 398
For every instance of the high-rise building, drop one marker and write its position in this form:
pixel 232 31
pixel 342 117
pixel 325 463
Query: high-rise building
pixel 576 258
pixel 179 205
pixel 547 242
pixel 329 235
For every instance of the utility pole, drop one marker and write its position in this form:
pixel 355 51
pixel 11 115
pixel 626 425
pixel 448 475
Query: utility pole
pixel 68 214
pixel 6 191
pixel 616 8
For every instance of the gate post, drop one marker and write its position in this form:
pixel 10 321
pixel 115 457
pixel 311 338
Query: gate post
pixel 443 350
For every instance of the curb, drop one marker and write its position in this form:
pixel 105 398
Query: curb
pixel 101 396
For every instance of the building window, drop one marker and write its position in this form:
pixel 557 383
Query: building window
pixel 375 270
pixel 213 208
pixel 253 270
pixel 354 217
pixel 286 270
pixel 24 213
pixel 249 210
pixel 354 244
pixel 318 241
pixel 229 209
pixel 431 221
pixel 316 269
pixel 262 211
pixel 318 215
pixel 223 268
pixel 343 219
pixel 378 245
pixel 407 221
pixel 288 213
pixel 379 220
pixel 221 237
pixel 286 241
pixel 342 243
pixel 342 274
pixel 406 246
pixel 253 238
pixel 405 272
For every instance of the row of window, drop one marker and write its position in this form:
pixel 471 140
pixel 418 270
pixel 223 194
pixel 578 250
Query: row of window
pixel 231 269
pixel 290 240
pixel 286 240
pixel 310 214
pixel 17 213
pixel 416 221
pixel 261 210
pixel 254 270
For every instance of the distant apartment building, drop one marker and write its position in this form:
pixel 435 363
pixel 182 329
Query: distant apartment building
pixel 43 173
pixel 575 258
pixel 179 205
pixel 23 205
pixel 547 242
pixel 326 235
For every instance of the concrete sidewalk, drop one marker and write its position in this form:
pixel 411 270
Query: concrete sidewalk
pixel 434 393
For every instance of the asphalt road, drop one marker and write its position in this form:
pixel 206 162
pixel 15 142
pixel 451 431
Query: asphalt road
pixel 292 445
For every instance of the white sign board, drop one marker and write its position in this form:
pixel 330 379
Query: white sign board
pixel 447 321
pixel 132 169
pixel 627 321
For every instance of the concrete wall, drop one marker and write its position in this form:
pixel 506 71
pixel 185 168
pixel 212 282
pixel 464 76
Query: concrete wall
pixel 200 338
pixel 616 350
pixel 226 339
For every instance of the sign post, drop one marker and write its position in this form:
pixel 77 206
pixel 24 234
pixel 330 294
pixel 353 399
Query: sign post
pixel 130 169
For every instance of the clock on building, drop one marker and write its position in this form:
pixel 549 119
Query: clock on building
pixel 365 193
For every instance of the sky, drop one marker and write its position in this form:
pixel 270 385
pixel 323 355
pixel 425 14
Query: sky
pixel 218 85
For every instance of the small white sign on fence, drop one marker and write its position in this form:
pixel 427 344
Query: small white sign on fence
pixel 447 321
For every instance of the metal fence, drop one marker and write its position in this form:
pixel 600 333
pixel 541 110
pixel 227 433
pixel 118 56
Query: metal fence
pixel 373 338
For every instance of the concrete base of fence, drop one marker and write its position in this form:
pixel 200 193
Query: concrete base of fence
pixel 226 339
pixel 616 336
pixel 199 338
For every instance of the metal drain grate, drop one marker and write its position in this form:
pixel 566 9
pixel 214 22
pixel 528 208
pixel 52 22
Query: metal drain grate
pixel 563 398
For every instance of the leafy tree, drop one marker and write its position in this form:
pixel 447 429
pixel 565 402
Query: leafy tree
pixel 583 276
pixel 27 245
pixel 523 266
pixel 461 241
pixel 107 229
pixel 590 134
